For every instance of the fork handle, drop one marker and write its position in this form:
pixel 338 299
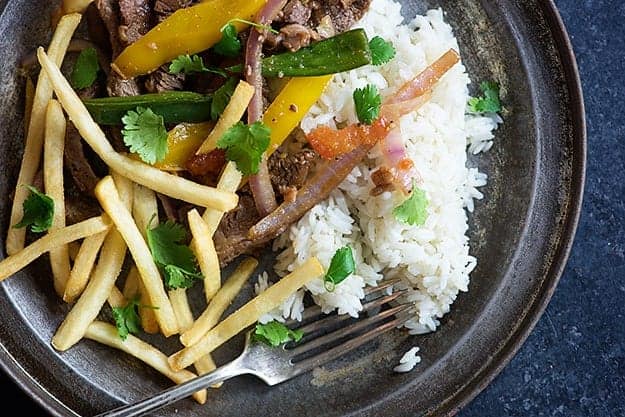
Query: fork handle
pixel 177 392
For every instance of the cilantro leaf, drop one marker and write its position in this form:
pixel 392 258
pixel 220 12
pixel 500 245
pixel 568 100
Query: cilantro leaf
pixel 38 211
pixel 489 102
pixel 381 51
pixel 127 318
pixel 341 266
pixel 177 261
pixel 413 211
pixel 245 145
pixel 145 134
pixel 275 333
pixel 190 64
pixel 368 102
pixel 222 97
pixel 85 70
pixel 229 45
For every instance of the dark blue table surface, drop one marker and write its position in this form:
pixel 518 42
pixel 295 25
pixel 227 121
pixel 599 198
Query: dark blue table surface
pixel 573 363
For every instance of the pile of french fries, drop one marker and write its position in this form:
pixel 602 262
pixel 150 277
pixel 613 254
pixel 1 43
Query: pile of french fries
pixel 87 258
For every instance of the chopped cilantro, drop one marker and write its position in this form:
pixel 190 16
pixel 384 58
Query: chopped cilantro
pixel 177 261
pixel 489 102
pixel 275 333
pixel 229 45
pixel 222 97
pixel 341 266
pixel 127 318
pixel 85 70
pixel 413 211
pixel 190 64
pixel 145 134
pixel 245 145
pixel 38 211
pixel 368 102
pixel 381 51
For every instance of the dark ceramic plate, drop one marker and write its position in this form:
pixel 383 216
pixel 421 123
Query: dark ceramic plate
pixel 521 234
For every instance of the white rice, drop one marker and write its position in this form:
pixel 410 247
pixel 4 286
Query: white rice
pixel 433 259
pixel 408 361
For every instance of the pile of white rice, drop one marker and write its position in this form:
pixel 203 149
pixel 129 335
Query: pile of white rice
pixel 434 259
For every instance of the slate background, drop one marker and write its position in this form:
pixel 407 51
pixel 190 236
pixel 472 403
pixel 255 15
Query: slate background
pixel 573 363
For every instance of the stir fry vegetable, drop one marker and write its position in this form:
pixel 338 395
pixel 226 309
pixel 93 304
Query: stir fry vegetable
pixel 343 52
pixel 188 31
pixel 174 106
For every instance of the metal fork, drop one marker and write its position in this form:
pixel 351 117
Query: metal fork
pixel 326 337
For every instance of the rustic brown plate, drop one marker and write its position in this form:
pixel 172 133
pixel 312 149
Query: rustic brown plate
pixel 521 234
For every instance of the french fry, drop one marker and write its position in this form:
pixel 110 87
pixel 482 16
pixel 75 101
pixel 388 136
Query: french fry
pixel 53 150
pixel 34 139
pixel 248 314
pixel 95 295
pixel 83 265
pixel 28 103
pixel 149 322
pixel 205 253
pixel 232 114
pixel 75 6
pixel 139 172
pixel 145 208
pixel 106 334
pixel 116 299
pixel 13 263
pixel 125 189
pixel 182 309
pixel 109 199
pixel 73 248
pixel 133 287
pixel 224 297
pixel 230 180
pixel 131 283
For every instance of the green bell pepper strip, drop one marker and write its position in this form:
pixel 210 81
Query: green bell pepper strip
pixel 339 53
pixel 174 106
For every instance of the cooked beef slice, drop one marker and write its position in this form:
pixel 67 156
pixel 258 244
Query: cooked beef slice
pixel 77 163
pixel 136 18
pixel 290 171
pixel 231 235
pixel 343 13
pixel 161 79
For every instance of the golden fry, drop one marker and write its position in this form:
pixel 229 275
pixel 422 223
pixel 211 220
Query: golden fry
pixel 83 265
pixel 17 261
pixel 222 300
pixel 109 199
pixel 95 295
pixel 34 140
pixel 107 334
pixel 247 315
pixel 53 150
pixel 205 253
pixel 230 180
pixel 231 115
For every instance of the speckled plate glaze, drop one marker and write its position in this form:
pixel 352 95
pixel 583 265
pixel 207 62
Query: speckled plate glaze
pixel 521 234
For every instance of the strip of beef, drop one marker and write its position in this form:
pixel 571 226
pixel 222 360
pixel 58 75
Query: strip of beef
pixel 231 235
pixel 288 173
pixel 304 21
pixel 161 79
pixel 77 163
pixel 136 17
pixel 342 13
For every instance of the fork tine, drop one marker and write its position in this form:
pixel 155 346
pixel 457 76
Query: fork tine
pixel 345 331
pixel 314 312
pixel 349 345
pixel 338 318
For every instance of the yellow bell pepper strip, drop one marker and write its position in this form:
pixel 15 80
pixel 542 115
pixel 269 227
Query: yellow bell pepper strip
pixel 187 31
pixel 182 143
pixel 291 105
